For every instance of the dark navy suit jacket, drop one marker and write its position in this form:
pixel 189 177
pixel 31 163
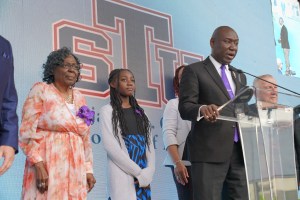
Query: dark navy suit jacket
pixel 8 97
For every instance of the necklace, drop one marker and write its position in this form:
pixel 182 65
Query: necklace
pixel 69 97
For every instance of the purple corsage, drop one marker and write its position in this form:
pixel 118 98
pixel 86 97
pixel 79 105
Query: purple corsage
pixel 139 112
pixel 86 114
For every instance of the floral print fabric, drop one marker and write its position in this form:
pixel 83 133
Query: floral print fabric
pixel 50 133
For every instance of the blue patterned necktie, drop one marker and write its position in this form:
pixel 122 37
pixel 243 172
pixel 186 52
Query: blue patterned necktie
pixel 230 92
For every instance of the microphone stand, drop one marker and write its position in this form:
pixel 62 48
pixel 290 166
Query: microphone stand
pixel 243 72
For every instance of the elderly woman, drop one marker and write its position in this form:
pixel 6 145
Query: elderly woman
pixel 55 133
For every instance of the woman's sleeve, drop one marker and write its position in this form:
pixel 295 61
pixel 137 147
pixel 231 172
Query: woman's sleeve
pixel 29 139
pixel 146 176
pixel 88 153
pixel 169 125
pixel 87 145
pixel 112 146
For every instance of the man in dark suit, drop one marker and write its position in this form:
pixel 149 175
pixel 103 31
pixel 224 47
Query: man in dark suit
pixel 8 105
pixel 216 158
pixel 285 45
pixel 267 97
pixel 266 94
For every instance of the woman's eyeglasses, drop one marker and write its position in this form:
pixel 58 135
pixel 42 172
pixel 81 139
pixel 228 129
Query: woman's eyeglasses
pixel 72 66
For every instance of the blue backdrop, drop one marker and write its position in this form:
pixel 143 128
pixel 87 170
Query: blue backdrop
pixel 151 38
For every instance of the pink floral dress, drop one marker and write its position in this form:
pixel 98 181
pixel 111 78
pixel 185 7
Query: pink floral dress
pixel 51 133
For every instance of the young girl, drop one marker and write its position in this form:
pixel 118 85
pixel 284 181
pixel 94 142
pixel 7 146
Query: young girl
pixel 127 139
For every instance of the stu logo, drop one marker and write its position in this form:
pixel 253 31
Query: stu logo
pixel 125 35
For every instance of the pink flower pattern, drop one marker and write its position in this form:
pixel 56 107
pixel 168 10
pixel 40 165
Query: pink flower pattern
pixel 50 133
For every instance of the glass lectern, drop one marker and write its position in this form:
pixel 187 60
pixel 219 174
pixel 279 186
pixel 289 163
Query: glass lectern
pixel 266 131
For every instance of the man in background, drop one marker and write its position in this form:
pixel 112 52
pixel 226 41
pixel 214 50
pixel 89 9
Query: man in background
pixel 8 106
pixel 266 91
pixel 285 45
pixel 279 66
pixel 267 96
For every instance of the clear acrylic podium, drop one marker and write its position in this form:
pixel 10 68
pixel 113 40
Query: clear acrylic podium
pixel 267 136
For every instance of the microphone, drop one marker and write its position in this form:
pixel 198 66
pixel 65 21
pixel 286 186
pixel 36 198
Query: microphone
pixel 243 72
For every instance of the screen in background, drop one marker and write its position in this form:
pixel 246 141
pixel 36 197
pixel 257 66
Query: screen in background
pixel 286 20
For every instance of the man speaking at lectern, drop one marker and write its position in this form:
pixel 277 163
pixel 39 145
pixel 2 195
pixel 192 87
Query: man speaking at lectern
pixel 214 146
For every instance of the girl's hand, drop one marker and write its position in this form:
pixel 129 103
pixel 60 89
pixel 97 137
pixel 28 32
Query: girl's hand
pixel 137 182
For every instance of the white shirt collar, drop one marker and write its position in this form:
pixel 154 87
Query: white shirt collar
pixel 216 63
pixel 228 73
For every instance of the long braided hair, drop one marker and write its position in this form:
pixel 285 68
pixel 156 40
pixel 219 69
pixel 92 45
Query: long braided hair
pixel 118 120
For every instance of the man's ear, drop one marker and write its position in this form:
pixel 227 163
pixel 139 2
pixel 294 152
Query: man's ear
pixel 211 42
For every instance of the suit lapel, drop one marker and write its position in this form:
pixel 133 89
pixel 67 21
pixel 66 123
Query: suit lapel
pixel 215 76
pixel 5 66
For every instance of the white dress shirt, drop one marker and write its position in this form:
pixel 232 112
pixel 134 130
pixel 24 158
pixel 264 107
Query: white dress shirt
pixel 228 74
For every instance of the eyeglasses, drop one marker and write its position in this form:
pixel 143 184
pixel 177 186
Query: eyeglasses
pixel 72 66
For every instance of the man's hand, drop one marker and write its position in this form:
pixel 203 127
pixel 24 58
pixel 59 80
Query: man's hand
pixel 90 181
pixel 210 112
pixel 8 153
